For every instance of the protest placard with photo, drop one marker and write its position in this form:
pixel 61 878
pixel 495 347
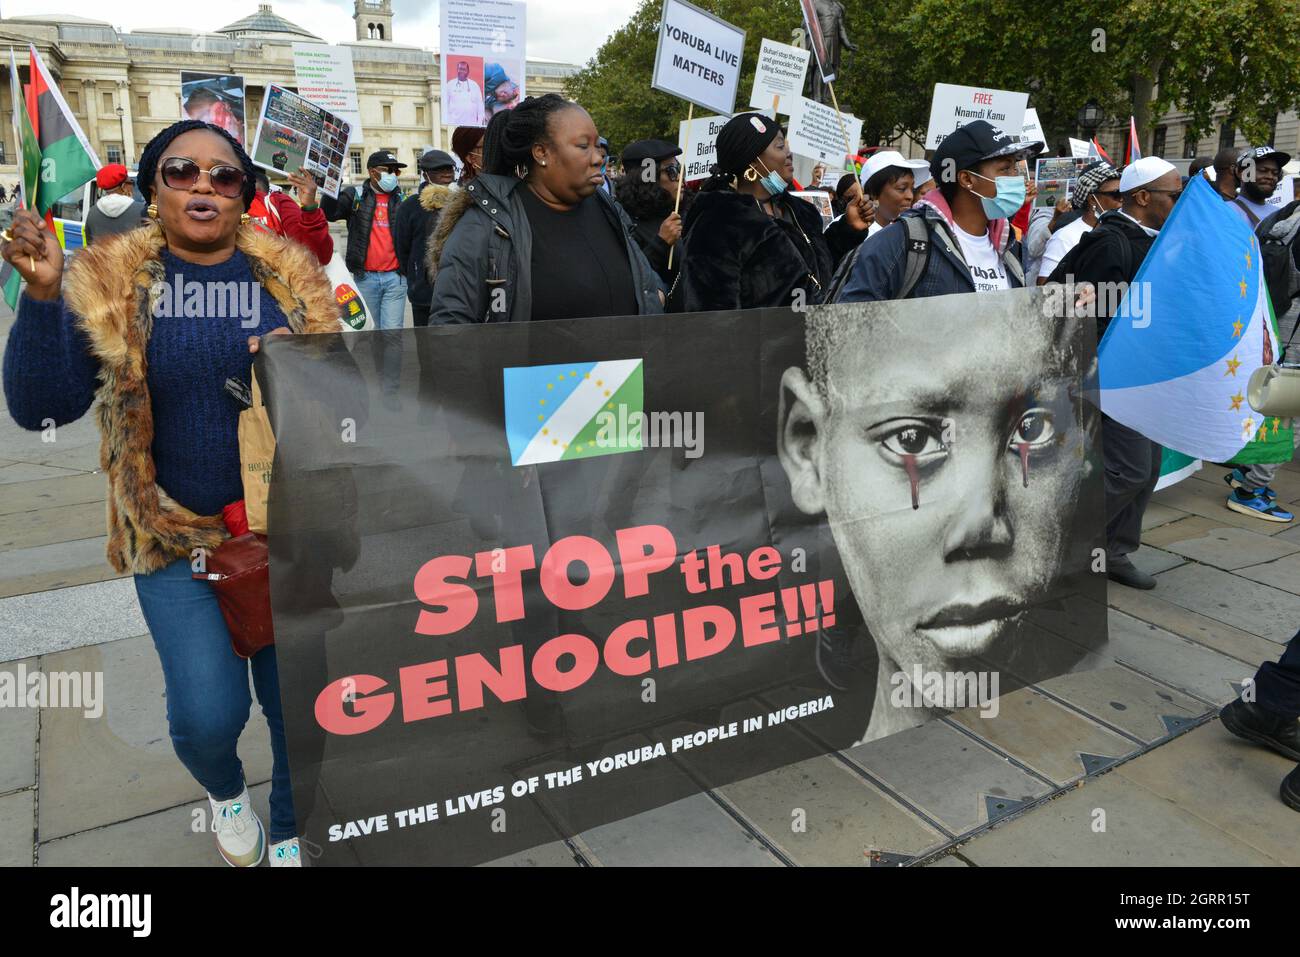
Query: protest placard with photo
pixel 324 75
pixel 778 77
pixel 698 57
pixel 1055 176
pixel 699 145
pixel 216 98
pixel 816 131
pixel 577 573
pixel 293 132
pixel 483 58
pixel 954 106
pixel 820 199
pixel 813 32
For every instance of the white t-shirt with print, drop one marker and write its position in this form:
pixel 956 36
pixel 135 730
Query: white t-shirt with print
pixel 1262 211
pixel 985 265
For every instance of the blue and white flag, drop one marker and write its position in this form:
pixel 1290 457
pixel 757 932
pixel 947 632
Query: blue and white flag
pixel 1195 324
pixel 572 410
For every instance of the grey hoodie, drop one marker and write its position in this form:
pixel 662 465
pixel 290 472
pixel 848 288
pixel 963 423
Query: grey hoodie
pixel 112 214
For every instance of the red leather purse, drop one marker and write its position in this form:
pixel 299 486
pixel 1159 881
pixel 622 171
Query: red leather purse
pixel 239 570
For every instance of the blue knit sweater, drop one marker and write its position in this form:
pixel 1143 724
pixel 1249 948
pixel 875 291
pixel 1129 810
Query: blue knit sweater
pixel 49 373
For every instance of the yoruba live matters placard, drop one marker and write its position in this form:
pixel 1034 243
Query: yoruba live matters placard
pixel 563 573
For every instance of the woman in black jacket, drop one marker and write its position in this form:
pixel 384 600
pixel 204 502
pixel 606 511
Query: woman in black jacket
pixel 746 243
pixel 533 236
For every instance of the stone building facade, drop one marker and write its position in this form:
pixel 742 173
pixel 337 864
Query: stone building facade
pixel 125 87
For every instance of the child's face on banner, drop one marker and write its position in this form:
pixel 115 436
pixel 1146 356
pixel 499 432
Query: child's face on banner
pixel 947 462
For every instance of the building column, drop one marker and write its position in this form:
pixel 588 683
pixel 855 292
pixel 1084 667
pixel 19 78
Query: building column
pixel 435 112
pixel 90 92
pixel 127 124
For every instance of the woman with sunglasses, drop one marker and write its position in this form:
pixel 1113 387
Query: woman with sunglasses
pixel 467 144
pixel 120 331
pixel 647 191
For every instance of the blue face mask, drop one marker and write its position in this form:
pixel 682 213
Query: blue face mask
pixel 773 183
pixel 1010 196
pixel 388 182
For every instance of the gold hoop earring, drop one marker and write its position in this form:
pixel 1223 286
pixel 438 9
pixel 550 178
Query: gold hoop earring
pixel 151 210
pixel 245 219
pixel 751 174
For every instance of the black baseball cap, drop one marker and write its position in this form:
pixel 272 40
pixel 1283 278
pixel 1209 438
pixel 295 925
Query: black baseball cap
pixel 435 159
pixel 383 158
pixel 641 150
pixel 1257 153
pixel 972 144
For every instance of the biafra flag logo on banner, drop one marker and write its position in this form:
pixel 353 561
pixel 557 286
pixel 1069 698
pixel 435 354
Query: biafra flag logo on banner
pixel 574 410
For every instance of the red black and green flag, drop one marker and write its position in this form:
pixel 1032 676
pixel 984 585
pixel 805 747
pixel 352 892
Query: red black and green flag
pixel 57 159
pixel 67 160
pixel 29 151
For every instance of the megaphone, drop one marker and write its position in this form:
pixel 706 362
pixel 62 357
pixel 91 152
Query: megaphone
pixel 1275 390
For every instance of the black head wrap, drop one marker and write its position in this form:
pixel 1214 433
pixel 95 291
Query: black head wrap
pixel 742 139
pixel 156 149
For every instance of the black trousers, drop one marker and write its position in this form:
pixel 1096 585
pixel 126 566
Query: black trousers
pixel 1277 683
pixel 1132 470
pixel 420 313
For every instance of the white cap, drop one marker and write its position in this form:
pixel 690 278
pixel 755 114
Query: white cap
pixel 1144 171
pixel 923 174
pixel 885 158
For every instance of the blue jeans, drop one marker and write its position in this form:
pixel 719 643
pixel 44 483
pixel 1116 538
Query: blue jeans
pixel 207 689
pixel 385 295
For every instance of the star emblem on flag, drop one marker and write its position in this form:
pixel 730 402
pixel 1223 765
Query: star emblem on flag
pixel 1236 402
pixel 1242 284
pixel 1233 365
pixel 1236 329
pixel 1247 427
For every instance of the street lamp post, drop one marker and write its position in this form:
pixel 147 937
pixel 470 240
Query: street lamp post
pixel 121 123
pixel 1089 118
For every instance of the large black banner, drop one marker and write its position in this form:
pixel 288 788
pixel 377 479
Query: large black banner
pixel 532 578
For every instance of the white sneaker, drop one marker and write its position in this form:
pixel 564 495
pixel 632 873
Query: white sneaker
pixel 286 854
pixel 239 832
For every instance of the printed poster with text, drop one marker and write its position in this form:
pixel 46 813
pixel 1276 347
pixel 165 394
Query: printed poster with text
pixel 483 59
pixel 954 106
pixel 324 75
pixel 548 576
pixel 698 57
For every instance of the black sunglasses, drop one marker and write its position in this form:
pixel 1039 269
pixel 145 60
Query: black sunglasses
pixel 1175 193
pixel 1111 193
pixel 672 171
pixel 181 173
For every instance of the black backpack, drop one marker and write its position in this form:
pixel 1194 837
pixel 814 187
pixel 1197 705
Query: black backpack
pixel 1279 257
